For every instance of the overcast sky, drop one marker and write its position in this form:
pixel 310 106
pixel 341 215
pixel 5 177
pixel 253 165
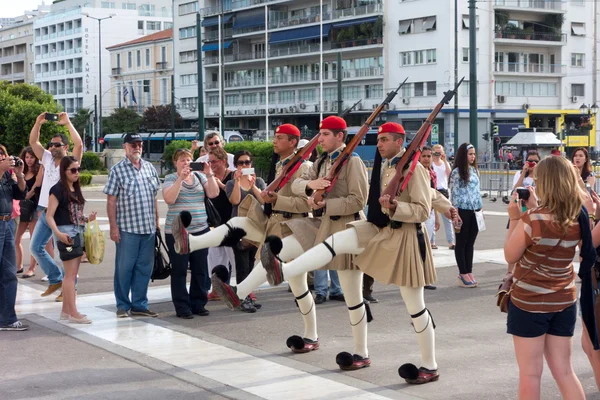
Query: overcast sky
pixel 12 8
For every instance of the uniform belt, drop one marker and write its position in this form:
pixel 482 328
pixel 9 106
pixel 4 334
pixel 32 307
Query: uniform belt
pixel 420 236
pixel 288 215
pixel 5 217
pixel 336 217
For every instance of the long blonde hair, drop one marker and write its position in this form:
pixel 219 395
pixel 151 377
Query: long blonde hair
pixel 557 187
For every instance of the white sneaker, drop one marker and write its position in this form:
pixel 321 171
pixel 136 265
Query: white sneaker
pixel 45 278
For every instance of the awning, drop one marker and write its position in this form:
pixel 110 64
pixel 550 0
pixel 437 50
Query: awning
pixel 214 21
pixel 292 35
pixel 215 46
pixel 367 20
pixel 250 19
pixel 429 23
pixel 404 26
pixel 577 29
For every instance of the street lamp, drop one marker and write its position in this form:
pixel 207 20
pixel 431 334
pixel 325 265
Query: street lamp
pixel 586 114
pixel 99 116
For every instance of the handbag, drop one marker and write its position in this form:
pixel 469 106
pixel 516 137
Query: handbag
pixel 480 221
pixel 509 283
pixel 595 279
pixel 162 262
pixel 213 217
pixel 69 252
pixel 27 210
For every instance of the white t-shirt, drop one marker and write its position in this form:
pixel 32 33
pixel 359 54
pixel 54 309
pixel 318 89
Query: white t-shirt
pixel 526 181
pixel 442 177
pixel 231 167
pixel 51 177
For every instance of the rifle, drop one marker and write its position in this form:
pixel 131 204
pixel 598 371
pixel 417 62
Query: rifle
pixel 343 158
pixel 294 164
pixel 413 152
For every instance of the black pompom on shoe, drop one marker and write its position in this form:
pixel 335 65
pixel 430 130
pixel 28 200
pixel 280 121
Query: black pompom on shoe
pixel 295 342
pixel 222 272
pixel 301 345
pixel 233 237
pixel 408 371
pixel 344 359
pixel 186 218
pixel 275 244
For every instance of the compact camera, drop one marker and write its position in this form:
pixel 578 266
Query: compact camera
pixel 17 160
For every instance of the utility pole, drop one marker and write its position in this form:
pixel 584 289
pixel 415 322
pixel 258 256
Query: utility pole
pixel 456 75
pixel 200 104
pixel 96 116
pixel 339 84
pixel 173 107
pixel 473 136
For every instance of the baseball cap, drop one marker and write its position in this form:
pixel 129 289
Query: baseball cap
pixel 132 138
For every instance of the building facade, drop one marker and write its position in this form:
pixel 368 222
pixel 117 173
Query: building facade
pixel 67 49
pixel 274 62
pixel 144 67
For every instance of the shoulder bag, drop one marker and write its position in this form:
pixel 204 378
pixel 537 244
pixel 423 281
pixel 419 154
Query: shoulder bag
pixel 212 214
pixel 162 262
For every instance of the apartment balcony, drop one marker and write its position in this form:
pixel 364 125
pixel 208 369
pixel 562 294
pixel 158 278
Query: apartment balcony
pixel 294 21
pixel 12 58
pixel 530 69
pixel 116 71
pixel 214 35
pixel 12 76
pixel 162 65
pixel 358 11
pixel 546 6
pixel 373 72
pixel 538 39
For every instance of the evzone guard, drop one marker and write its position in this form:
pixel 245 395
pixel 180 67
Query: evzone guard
pixel 391 246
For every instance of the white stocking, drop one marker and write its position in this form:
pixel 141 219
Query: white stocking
pixel 290 250
pixel 306 305
pixel 351 282
pixel 344 242
pixel 216 236
pixel 415 303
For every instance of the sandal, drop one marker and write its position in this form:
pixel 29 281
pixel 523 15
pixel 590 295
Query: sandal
pixel 451 247
pixel 434 247
pixel 19 271
pixel 28 274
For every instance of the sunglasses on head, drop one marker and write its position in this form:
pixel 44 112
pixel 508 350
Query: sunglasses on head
pixel 74 170
pixel 244 162
pixel 56 144
pixel 216 142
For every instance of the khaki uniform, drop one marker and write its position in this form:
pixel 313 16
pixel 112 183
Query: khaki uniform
pixel 346 200
pixel 287 201
pixel 393 255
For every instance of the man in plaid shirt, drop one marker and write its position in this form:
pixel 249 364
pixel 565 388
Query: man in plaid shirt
pixel 133 216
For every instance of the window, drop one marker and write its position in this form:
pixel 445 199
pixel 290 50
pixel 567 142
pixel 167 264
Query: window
pixel 285 96
pixel 248 99
pixel 407 90
pixel 405 26
pixel 577 89
pixel 129 59
pixel 466 87
pixel 465 21
pixel 577 59
pixel 431 56
pixel 523 89
pixel 107 4
pixel 147 57
pixel 577 29
pixel 188 32
pixel 351 92
pixel 419 57
pixel 141 25
pixel 188 56
pixel 418 25
pixel 167 25
pixel 213 101
pixel 431 88
pixel 189 79
pixel 164 91
pixel 406 58
pixel 466 55
pixel 118 60
pixel 330 94
pixel 429 24
pixel 146 90
pixel 232 99
pixel 374 91
pixel 419 89
pixel 188 8
pixel 307 95
pixel 146 10
pixel 128 6
pixel 153 25
pixel 138 58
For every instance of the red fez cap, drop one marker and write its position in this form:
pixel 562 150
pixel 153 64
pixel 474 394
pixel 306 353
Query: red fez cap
pixel 391 127
pixel 288 129
pixel 333 123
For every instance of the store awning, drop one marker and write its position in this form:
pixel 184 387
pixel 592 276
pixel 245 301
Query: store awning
pixel 214 21
pixel 359 21
pixel 292 35
pixel 215 46
pixel 250 19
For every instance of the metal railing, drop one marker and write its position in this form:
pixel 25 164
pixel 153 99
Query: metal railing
pixel 495 178
pixel 541 4
pixel 356 11
pixel 161 65
pixel 519 35
pixel 116 71
pixel 528 68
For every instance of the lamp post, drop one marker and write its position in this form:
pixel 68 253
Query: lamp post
pixel 563 132
pixel 586 114
pixel 99 115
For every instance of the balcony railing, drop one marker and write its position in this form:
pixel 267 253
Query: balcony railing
pixel 362 72
pixel 357 11
pixel 529 68
pixel 356 43
pixel 161 65
pixel 293 78
pixel 116 71
pixel 309 19
pixel 295 50
pixel 78 69
pixel 531 4
pixel 214 35
pixel 543 36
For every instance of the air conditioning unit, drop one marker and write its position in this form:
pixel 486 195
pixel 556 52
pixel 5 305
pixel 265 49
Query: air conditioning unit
pixel 271 111
pixel 255 111
pixel 392 106
pixel 501 99
pixel 375 106
pixel 193 108
pixel 228 112
pixel 316 108
pixel 302 106
pixel 526 106
pixel 406 101
pixel 281 111
pixel 574 99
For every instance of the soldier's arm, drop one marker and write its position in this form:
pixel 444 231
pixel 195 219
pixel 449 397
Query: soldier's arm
pixel 419 191
pixel 439 202
pixel 358 191
pixel 295 203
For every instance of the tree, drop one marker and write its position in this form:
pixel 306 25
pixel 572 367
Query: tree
pixel 20 104
pixel 81 122
pixel 121 120
pixel 159 117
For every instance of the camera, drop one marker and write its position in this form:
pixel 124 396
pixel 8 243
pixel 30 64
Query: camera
pixel 51 117
pixel 247 171
pixel 17 160
pixel 197 166
pixel 523 193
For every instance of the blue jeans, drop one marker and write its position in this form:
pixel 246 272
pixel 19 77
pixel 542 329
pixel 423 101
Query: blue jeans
pixel 41 234
pixel 8 273
pixel 134 262
pixel 321 283
pixel 196 300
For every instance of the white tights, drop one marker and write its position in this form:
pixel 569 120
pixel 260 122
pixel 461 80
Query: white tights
pixel 216 236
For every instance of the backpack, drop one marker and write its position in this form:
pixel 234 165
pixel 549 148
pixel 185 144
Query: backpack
pixel 162 263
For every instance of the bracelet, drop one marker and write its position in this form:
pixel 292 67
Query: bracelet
pixel 210 175
pixel 592 217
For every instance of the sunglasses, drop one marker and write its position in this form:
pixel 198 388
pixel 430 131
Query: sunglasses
pixel 532 161
pixel 437 154
pixel 214 161
pixel 244 162
pixel 215 143
pixel 74 170
pixel 56 144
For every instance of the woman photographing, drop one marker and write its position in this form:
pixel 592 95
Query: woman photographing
pixel 581 160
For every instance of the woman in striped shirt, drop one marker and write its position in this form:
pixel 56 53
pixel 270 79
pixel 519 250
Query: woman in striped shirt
pixel 185 191
pixel 543 311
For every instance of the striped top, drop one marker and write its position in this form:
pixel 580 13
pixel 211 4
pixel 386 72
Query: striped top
pixel 190 198
pixel 551 286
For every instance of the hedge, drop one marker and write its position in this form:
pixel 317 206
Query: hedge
pixel 261 151
pixel 171 149
pixel 85 178
pixel 91 162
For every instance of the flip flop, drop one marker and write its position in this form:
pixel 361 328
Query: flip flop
pixel 19 271
pixel 27 275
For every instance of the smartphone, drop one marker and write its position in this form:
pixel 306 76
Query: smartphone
pixel 247 171
pixel 530 164
pixel 523 193
pixel 51 117
pixel 588 187
pixel 197 166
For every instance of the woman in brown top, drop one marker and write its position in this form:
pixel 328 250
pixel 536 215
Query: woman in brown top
pixel 543 311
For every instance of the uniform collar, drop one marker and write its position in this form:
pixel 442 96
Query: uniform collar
pixel 336 153
pixel 282 163
pixel 392 163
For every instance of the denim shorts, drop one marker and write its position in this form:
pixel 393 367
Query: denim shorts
pixel 72 231
pixel 529 325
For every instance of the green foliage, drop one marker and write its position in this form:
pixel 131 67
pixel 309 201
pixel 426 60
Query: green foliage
pixel 172 148
pixel 261 151
pixel 20 105
pixel 81 120
pixel 90 161
pixel 121 120
pixel 159 117
pixel 378 28
pixel 85 178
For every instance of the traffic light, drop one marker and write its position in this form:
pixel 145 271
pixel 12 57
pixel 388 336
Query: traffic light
pixel 486 136
pixel 494 129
